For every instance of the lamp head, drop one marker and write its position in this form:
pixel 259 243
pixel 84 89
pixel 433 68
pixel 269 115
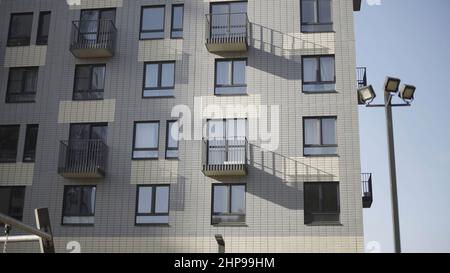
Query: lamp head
pixel 366 94
pixel 407 92
pixel 391 85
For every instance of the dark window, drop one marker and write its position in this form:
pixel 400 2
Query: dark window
pixel 9 138
pixel 316 15
pixel 79 205
pixel 152 204
pixel 319 74
pixel 152 22
pixel 321 202
pixel 228 20
pixel 22 84
pixel 177 21
pixel 319 136
pixel 29 152
pixel 172 139
pixel 88 131
pixel 231 77
pixel 159 79
pixel 89 82
pixel 43 28
pixel 20 29
pixel 95 25
pixel 228 204
pixel 146 140
pixel 11 201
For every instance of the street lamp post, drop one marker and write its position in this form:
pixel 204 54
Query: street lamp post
pixel 366 96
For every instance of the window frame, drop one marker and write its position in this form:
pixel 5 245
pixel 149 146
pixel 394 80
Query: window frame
pixel 321 201
pixel 66 187
pixel 331 24
pixel 167 140
pixel 153 205
pixel 17 142
pixel 232 60
pixel 28 42
pixel 145 149
pixel 172 29
pixel 25 146
pixel 230 202
pixel 318 74
pixel 159 79
pixel 43 40
pixel 320 118
pixel 91 70
pixel 163 30
pixel 10 188
pixel 27 69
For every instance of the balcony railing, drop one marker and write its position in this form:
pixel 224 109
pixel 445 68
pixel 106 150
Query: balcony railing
pixel 227 32
pixel 367 194
pixel 93 38
pixel 83 158
pixel 222 157
pixel 361 76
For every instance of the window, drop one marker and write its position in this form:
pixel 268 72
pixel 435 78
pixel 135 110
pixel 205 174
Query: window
pixel 79 205
pixel 89 82
pixel 152 22
pixel 20 29
pixel 172 139
pixel 22 84
pixel 231 77
pixel 316 15
pixel 319 136
pixel 11 201
pixel 228 20
pixel 226 141
pixel 146 140
pixel 88 131
pixel 321 202
pixel 319 74
pixel 177 21
pixel 152 204
pixel 9 138
pixel 29 151
pixel 228 205
pixel 43 28
pixel 96 25
pixel 159 79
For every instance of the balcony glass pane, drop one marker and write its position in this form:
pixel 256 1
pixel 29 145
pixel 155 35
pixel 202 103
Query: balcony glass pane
pixel 146 135
pixel 238 199
pixel 327 69
pixel 310 68
pixel 162 200
pixel 221 202
pixel 168 75
pixel 312 132
pixel 151 76
pixel 145 200
pixel 329 131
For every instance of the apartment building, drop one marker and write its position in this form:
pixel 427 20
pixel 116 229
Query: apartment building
pixel 90 127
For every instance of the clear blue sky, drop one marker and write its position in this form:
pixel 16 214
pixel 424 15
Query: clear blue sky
pixel 409 39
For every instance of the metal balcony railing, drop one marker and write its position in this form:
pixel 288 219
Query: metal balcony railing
pixel 93 38
pixel 227 32
pixel 83 158
pixel 361 76
pixel 224 156
pixel 367 194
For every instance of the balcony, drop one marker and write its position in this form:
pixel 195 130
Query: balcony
pixel 361 76
pixel 224 157
pixel 93 39
pixel 367 197
pixel 227 32
pixel 82 158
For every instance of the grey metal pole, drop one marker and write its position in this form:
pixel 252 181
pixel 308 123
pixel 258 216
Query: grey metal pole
pixel 392 172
